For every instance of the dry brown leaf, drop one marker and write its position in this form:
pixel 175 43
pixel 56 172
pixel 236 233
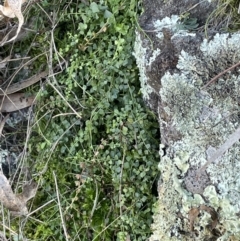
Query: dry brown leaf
pixel 15 102
pixel 194 212
pixel 8 198
pixel 16 203
pixel 192 215
pixel 12 9
pixel 214 215
pixel 24 83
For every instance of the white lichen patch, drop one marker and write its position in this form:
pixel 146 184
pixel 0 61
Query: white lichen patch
pixel 205 117
pixel 165 215
pixel 155 53
pixel 145 57
pixel 140 54
pixel 167 22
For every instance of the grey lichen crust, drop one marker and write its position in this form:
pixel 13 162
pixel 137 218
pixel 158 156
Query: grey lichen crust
pixel 145 57
pixel 195 120
pixel 202 118
pixel 140 53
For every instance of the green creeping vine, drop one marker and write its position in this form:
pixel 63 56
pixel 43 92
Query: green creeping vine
pixel 92 129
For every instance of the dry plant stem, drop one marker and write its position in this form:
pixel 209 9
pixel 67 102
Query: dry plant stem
pixel 45 13
pixel 95 203
pixel 98 235
pixel 11 9
pixel 29 214
pixel 60 209
pixel 7 228
pixel 3 219
pixel 194 6
pixel 120 185
pixel 74 111
pixel 233 138
pixel 219 75
pixel 2 123
pixel 28 134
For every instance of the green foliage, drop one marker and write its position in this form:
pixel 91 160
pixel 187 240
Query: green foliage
pixel 187 23
pixel 226 13
pixel 106 161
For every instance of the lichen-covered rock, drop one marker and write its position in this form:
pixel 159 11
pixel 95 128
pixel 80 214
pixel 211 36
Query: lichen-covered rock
pixel 194 121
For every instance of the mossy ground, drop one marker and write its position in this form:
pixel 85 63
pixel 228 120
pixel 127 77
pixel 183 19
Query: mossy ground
pixel 94 145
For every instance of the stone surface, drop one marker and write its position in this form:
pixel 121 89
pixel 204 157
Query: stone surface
pixel 175 65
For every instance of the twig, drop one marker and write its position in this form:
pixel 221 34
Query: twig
pixel 219 75
pixel 232 139
pixel 60 209
pixel 191 8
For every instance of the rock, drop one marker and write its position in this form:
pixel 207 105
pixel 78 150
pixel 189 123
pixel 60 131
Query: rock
pixel 176 60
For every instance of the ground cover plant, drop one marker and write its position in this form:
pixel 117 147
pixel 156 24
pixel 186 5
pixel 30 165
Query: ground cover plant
pixel 94 145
